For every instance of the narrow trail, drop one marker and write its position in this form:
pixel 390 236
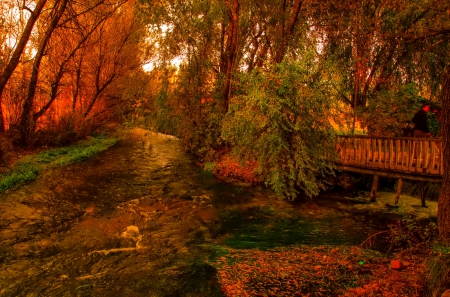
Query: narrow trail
pixel 140 219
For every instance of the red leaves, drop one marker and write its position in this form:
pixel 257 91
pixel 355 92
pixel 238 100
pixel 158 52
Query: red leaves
pixel 230 169
pixel 313 271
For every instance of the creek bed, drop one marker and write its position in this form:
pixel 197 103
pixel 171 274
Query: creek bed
pixel 141 219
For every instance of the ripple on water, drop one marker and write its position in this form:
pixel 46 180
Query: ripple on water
pixel 66 229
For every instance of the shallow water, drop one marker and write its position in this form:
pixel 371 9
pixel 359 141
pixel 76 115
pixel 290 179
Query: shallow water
pixel 141 219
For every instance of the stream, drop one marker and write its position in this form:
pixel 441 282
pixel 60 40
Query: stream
pixel 141 219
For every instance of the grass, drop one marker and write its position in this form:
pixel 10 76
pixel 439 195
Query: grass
pixel 28 168
pixel 438 270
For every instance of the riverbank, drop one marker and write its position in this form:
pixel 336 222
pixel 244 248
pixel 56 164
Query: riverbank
pixel 141 219
pixel 25 168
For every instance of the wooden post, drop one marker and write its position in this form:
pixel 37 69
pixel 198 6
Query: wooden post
pixel 373 194
pixel 399 190
pixel 433 156
pixel 441 158
pixel 412 148
pixel 419 155
pixel 360 157
pixel 391 154
pixel 344 150
pixel 379 153
pixel 374 147
pixel 422 193
pixel 397 154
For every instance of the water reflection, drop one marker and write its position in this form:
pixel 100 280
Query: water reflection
pixel 140 219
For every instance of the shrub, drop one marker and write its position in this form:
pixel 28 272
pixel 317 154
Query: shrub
pixel 437 274
pixel 282 124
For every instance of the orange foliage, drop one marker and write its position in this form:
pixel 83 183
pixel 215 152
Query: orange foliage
pixel 229 168
pixel 205 100
pixel 315 271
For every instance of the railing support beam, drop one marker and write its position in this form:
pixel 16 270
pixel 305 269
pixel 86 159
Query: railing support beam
pixel 399 190
pixel 373 193
pixel 422 193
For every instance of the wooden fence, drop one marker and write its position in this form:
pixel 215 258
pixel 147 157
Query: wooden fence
pixel 419 156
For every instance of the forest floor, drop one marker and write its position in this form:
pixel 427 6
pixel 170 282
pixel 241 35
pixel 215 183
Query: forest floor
pixel 140 220
pixel 342 270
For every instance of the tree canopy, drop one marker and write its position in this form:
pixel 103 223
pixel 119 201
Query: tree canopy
pixel 62 64
pixel 267 81
pixel 256 64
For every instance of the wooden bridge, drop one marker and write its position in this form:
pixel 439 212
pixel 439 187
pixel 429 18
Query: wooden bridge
pixel 418 159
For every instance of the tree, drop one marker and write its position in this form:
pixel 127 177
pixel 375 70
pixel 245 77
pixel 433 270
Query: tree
pixel 373 47
pixel 95 39
pixel 231 49
pixel 282 122
pixel 14 59
pixel 98 67
pixel 444 196
pixel 26 124
pixel 287 28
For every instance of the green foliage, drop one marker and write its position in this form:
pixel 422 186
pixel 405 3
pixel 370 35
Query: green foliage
pixel 26 170
pixel 438 274
pixel 198 110
pixel 16 178
pixel 282 122
pixel 201 134
pixel 410 233
pixel 433 124
pixel 391 110
pixel 165 119
pixel 209 166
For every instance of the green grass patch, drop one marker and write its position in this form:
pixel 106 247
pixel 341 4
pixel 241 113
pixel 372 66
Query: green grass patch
pixel 28 168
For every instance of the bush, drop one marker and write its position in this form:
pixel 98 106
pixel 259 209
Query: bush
pixel 390 112
pixel 437 274
pixel 282 123
pixel 230 169
pixel 412 234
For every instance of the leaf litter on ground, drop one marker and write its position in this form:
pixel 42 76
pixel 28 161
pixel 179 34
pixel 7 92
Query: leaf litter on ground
pixel 315 271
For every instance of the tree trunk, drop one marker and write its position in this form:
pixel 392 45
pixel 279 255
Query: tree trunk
pixel 286 34
pixel 26 125
pixel 77 86
pixel 230 51
pixel 444 197
pixel 62 68
pixel 15 58
pixel 222 65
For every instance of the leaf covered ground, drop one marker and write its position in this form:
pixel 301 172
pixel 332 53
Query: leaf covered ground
pixel 317 271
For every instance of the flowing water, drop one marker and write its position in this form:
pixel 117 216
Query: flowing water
pixel 141 219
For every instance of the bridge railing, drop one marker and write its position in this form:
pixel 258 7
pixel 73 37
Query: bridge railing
pixel 406 154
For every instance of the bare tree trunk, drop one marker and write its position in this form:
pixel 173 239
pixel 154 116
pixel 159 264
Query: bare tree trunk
pixel 62 67
pixel 15 58
pixel 77 86
pixel 444 197
pixel 253 50
pixel 222 65
pixel 286 34
pixel 26 125
pixel 230 51
pixel 262 55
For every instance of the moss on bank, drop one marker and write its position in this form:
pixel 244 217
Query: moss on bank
pixel 28 168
